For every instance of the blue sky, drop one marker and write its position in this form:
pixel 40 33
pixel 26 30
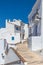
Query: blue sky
pixel 15 9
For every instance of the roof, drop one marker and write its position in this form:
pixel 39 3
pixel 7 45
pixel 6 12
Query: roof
pixel 16 22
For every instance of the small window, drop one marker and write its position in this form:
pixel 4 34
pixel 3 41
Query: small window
pixel 12 38
pixel 17 28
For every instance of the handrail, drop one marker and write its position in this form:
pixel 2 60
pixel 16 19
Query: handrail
pixel 14 62
pixel 21 58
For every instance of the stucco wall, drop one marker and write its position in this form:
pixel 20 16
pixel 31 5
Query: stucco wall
pixel 9 32
pixel 36 43
pixel 26 31
pixel 1 51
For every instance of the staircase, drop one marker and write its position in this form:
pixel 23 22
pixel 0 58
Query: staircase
pixel 26 56
pixel 22 56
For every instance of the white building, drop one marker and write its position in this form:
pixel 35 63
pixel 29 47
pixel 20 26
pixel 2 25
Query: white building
pixel 26 31
pixel 36 26
pixel 15 32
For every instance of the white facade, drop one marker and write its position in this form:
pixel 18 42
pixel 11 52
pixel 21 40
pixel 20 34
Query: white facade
pixel 2 50
pixel 8 34
pixel 15 29
pixel 11 32
pixel 15 32
pixel 26 31
pixel 10 57
pixel 36 23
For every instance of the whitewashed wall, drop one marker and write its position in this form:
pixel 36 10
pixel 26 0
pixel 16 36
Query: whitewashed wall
pixel 36 43
pixel 11 32
pixel 10 27
pixel 1 51
pixel 11 57
pixel 8 32
pixel 42 21
pixel 16 38
pixel 26 31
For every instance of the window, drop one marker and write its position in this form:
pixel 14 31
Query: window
pixel 37 29
pixel 18 27
pixel 30 32
pixel 12 38
pixel 23 36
